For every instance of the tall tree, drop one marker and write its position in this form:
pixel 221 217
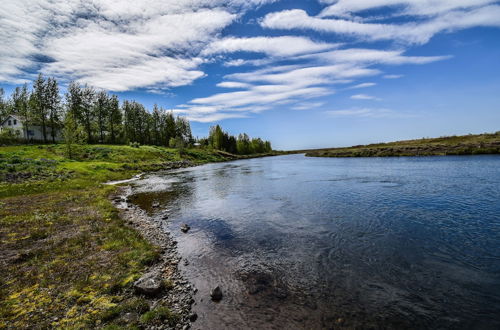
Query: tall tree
pixel 101 113
pixel 183 130
pixel 20 105
pixel 39 104
pixel 114 118
pixel 70 133
pixel 53 101
pixel 156 121
pixel 216 137
pixel 74 99
pixel 243 144
pixel 3 106
pixel 129 121
pixel 87 113
pixel 169 128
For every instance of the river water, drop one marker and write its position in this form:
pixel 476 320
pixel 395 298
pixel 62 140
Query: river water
pixel 318 243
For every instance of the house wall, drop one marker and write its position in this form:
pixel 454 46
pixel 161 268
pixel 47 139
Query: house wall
pixel 18 126
pixel 38 133
pixel 33 132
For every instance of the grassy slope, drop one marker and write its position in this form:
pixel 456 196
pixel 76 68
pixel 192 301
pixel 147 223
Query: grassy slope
pixel 451 145
pixel 66 258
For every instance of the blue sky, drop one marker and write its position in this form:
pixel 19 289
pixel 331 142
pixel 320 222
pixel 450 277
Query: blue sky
pixel 303 74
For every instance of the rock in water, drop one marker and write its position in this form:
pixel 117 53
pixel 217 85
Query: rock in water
pixel 216 294
pixel 185 228
pixel 150 283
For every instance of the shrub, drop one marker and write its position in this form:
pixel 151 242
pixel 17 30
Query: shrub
pixel 159 315
pixel 135 144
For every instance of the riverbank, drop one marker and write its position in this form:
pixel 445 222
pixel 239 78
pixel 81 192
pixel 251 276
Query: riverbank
pixel 450 145
pixel 69 258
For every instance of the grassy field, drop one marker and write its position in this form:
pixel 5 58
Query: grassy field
pixel 449 145
pixel 66 258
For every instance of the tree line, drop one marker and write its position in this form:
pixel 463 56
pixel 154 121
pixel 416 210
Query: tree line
pixel 88 115
pixel 242 145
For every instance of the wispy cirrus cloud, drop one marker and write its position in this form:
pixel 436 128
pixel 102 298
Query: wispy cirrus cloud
pixel 412 33
pixel 369 113
pixel 272 46
pixel 364 97
pixel 406 7
pixel 392 76
pixel 363 85
pixel 270 87
pixel 308 105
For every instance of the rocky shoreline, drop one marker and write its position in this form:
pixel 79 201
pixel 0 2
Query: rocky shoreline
pixel 163 283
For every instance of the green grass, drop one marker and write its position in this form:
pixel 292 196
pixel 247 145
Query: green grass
pixel 448 145
pixel 67 259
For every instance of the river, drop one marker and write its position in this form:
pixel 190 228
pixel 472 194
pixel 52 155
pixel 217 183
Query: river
pixel 315 243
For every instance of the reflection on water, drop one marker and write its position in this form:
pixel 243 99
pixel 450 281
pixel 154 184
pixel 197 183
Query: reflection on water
pixel 298 242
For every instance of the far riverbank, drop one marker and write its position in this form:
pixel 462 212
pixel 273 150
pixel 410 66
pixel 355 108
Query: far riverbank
pixel 478 144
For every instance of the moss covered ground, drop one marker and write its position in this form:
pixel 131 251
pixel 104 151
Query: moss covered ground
pixel 67 260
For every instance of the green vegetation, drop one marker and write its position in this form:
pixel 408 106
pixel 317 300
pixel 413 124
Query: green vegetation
pixel 159 315
pixel 243 145
pixel 449 145
pixel 66 258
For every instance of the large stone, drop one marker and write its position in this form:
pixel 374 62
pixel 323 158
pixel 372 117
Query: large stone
pixel 150 283
pixel 216 294
pixel 185 228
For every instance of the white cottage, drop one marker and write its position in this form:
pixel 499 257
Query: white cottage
pixel 30 132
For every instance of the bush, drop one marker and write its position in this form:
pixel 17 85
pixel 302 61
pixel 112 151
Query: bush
pixel 159 315
pixel 135 144
pixel 9 136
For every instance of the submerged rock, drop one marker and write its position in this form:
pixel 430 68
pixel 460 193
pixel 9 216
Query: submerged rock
pixel 185 228
pixel 150 283
pixel 216 294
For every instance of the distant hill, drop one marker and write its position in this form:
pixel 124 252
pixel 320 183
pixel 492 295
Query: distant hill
pixel 447 145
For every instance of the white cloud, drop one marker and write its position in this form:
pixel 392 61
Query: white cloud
pixel 392 76
pixel 409 7
pixel 272 46
pixel 307 105
pixel 214 117
pixel 364 97
pixel 416 33
pixel 260 95
pixel 374 56
pixel 107 43
pixel 363 85
pixel 233 84
pixel 274 86
pixel 237 62
pixel 369 113
pixel 306 75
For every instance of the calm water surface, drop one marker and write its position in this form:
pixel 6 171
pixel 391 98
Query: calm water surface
pixel 318 243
